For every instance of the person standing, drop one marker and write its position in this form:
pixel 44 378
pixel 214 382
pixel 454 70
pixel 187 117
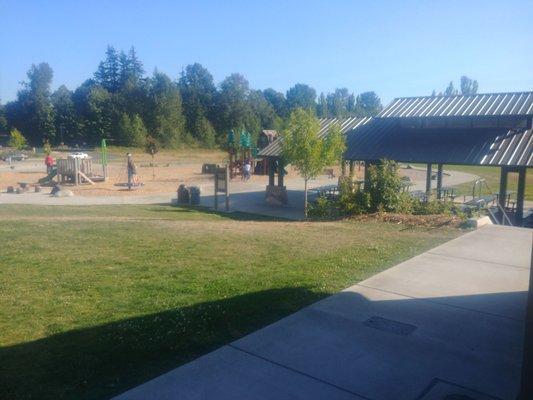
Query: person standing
pixel 132 171
pixel 49 162
pixel 247 168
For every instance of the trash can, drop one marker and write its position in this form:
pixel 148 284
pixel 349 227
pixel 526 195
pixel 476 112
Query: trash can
pixel 194 195
pixel 183 194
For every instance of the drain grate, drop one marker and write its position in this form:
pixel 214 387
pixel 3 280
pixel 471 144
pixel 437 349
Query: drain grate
pixel 388 325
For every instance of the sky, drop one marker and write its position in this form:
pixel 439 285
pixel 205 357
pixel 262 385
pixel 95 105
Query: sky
pixel 395 48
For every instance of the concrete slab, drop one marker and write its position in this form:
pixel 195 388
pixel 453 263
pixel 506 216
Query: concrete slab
pixel 447 322
pixel 230 374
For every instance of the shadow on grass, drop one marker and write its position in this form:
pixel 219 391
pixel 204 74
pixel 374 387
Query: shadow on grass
pixel 232 215
pixel 102 361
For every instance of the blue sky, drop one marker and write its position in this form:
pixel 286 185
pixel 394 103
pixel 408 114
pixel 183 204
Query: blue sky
pixel 396 48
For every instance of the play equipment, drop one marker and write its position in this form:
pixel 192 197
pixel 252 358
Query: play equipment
pixel 240 150
pixel 77 168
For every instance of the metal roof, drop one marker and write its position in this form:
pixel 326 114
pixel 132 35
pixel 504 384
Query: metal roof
pixel 346 124
pixel 490 104
pixel 385 138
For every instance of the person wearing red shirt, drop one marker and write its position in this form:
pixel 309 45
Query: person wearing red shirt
pixel 49 162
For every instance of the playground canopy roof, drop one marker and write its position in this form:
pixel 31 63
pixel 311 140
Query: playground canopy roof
pixel 485 129
pixel 346 125
pixel 489 104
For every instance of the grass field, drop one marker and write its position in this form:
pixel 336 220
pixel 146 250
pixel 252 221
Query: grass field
pixel 96 300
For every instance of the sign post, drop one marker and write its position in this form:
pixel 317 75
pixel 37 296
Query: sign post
pixel 222 184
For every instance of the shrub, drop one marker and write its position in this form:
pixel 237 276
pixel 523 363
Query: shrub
pixel 17 140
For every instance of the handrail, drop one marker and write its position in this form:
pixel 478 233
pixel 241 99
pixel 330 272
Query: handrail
pixel 505 218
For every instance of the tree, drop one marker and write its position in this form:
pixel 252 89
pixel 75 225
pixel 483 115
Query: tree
pixel 308 152
pixel 451 90
pixel 301 96
pixel 198 92
pixel 108 74
pixel 468 86
pixel 3 119
pixel 131 131
pixel 165 119
pixel 233 108
pixel 322 107
pixel 17 140
pixel 65 118
pixel 277 100
pixel 32 112
pixel 367 104
pixel 338 103
pixel 131 68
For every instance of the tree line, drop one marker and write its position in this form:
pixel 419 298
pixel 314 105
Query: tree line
pixel 122 103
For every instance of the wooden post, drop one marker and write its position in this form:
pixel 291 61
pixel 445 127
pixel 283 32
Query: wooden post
pixel 216 187
pixel 343 167
pixel 439 181
pixel 428 182
pixel 368 164
pixel 351 168
pixel 503 186
pixel 76 170
pixel 271 172
pixel 227 187
pixel 280 173
pixel 520 193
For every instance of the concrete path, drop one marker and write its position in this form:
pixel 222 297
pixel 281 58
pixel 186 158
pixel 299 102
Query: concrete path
pixel 449 321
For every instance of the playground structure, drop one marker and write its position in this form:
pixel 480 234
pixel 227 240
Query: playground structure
pixel 239 151
pixel 77 169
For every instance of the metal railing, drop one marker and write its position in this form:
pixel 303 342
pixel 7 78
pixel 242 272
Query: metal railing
pixel 501 211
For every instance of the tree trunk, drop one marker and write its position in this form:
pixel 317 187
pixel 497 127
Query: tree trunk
pixel 305 198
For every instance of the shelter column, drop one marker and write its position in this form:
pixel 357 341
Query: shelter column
pixel 351 168
pixel 428 182
pixel 503 187
pixel 519 215
pixel 439 181
pixel 271 171
pixel 343 167
pixel 367 174
pixel 280 173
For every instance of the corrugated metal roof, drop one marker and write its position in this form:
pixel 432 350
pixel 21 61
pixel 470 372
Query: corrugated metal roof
pixel 346 124
pixel 385 138
pixel 490 104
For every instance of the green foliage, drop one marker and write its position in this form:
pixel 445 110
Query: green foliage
pixel 47 148
pixel 17 140
pixel 131 131
pixel 151 146
pixel 308 152
pixel 384 187
pixel 191 110
pixel 301 96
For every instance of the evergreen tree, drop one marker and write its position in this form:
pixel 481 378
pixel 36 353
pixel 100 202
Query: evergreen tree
pixel 233 108
pixel 108 74
pixel 338 103
pixel 198 93
pixel 451 90
pixel 131 131
pixel 165 119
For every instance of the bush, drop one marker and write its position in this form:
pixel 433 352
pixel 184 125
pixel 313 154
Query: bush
pixel 17 140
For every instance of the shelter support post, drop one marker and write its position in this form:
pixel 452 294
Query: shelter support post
pixel 271 172
pixel 280 173
pixel 343 167
pixel 428 182
pixel 520 194
pixel 439 181
pixel 368 164
pixel 503 187
pixel 351 168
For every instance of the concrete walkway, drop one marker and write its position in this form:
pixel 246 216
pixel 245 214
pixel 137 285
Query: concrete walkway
pixel 449 321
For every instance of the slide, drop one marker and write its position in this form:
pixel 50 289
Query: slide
pixel 48 178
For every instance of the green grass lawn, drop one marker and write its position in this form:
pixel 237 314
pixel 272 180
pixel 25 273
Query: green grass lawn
pixel 96 300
